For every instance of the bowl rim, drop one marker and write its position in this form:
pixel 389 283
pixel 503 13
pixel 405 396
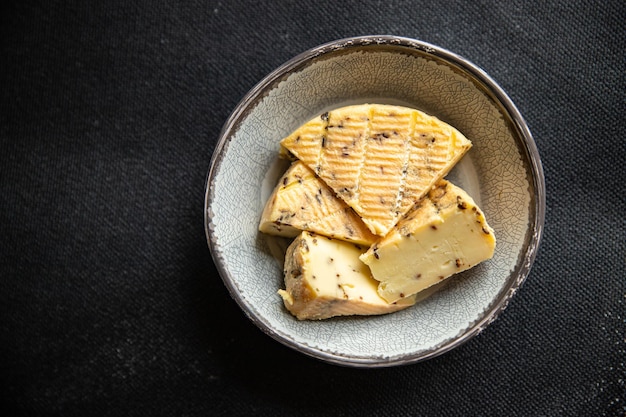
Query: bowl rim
pixel 489 87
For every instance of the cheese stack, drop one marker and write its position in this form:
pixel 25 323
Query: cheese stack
pixel 372 175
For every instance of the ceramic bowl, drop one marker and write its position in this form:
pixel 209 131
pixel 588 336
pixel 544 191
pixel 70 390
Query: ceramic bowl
pixel 502 172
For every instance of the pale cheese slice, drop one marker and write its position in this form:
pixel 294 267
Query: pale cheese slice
pixel 445 233
pixel 301 201
pixel 380 159
pixel 324 278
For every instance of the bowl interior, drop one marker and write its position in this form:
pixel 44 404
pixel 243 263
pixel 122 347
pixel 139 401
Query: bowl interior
pixel 502 172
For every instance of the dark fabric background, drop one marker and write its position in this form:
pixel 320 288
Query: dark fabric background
pixel 109 301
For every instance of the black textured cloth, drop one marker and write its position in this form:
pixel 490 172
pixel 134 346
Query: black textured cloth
pixel 110 304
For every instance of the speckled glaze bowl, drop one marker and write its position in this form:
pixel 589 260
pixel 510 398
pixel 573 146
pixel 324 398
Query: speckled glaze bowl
pixel 502 172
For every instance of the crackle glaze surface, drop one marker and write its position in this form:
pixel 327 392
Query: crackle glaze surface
pixel 502 172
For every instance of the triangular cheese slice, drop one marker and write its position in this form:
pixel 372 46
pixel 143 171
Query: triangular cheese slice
pixel 444 234
pixel 301 201
pixel 380 159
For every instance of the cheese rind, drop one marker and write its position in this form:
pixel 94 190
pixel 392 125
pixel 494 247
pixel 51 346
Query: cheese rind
pixel 445 233
pixel 324 278
pixel 380 159
pixel 301 201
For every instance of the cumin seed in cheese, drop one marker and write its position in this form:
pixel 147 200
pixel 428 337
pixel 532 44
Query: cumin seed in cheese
pixel 380 159
pixel 324 278
pixel 445 233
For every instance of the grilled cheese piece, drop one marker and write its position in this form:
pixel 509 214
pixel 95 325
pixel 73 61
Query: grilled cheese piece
pixel 301 201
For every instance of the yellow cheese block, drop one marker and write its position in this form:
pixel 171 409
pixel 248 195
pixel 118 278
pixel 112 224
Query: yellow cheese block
pixel 324 278
pixel 444 234
pixel 301 201
pixel 380 159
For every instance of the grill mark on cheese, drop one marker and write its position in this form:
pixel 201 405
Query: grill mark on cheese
pixel 312 192
pixel 354 230
pixel 319 165
pixel 363 137
pixel 308 141
pixel 386 154
pixel 343 146
pixel 398 207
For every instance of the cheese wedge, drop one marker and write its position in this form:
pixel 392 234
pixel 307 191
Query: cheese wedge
pixel 380 159
pixel 444 234
pixel 324 278
pixel 301 201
